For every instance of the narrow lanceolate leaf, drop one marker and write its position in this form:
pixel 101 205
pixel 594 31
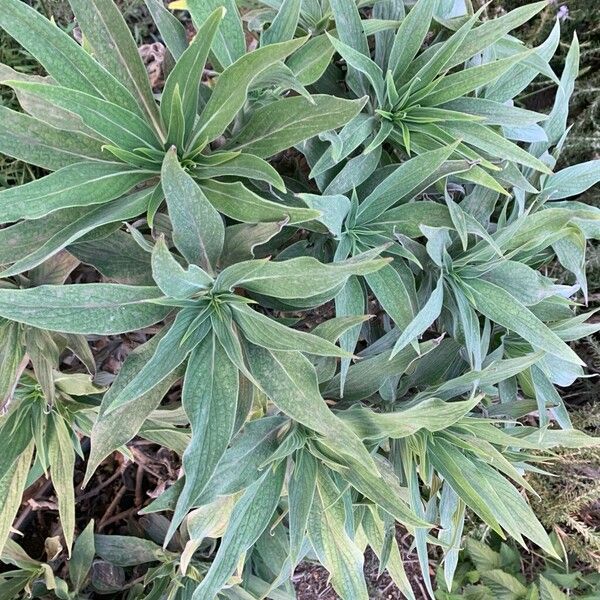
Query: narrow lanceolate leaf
pixel 432 414
pixel 113 430
pixel 169 26
pixel 489 141
pixel 171 351
pixel 235 200
pixel 298 277
pixel 209 397
pixel 502 308
pixel 310 62
pixel 113 46
pixel 349 27
pixel 283 26
pixel 424 318
pixel 301 492
pixel 242 165
pixel 231 90
pixel 119 210
pixel 357 60
pixel 122 127
pixel 198 229
pixel 250 517
pixel 290 381
pixel 461 83
pixel 96 308
pixel 187 73
pixel 410 36
pixel 12 485
pixel 171 277
pixel 406 178
pixel 572 181
pixel 61 456
pixel 230 43
pixel 35 142
pixel 11 354
pixel 393 294
pixel 263 331
pixel 83 555
pixel 289 121
pixel 60 55
pixel 336 550
pixel 80 184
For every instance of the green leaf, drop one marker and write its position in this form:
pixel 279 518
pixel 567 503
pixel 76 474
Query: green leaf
pixel 12 353
pixel 366 376
pixel 231 89
pixel 116 211
pixel 170 276
pixel 187 73
pixel 35 142
pixel 283 27
pixel 171 351
pixel 113 46
pixel 82 557
pixel 230 43
pixel 120 126
pixel 60 55
pixel 410 35
pixel 127 551
pixel 485 139
pixel 209 397
pixel 287 122
pixel 242 165
pixel 461 83
pixel 502 308
pixel 237 202
pixel 61 456
pixel 336 550
pixel 12 486
pixel 572 181
pixel 198 229
pixel 423 319
pixel 268 333
pixel 358 61
pixel 349 28
pixel 402 182
pixel 169 26
pixel 297 277
pixel 301 492
pixel 117 257
pixel 549 591
pixel 395 296
pixel 334 210
pixel 290 381
pixel 243 239
pixel 250 517
pixel 113 429
pixel 310 62
pixel 432 414
pixel 98 308
pixel 80 184
pixel 484 35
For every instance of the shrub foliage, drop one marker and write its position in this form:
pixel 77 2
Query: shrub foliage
pixel 421 204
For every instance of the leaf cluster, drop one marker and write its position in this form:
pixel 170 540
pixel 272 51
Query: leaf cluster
pixel 414 230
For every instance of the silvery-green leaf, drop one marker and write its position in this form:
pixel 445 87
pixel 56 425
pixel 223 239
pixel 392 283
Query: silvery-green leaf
pixel 100 308
pixel 198 229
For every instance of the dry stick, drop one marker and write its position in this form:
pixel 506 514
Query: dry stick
pixel 115 502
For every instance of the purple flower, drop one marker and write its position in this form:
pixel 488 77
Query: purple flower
pixel 563 13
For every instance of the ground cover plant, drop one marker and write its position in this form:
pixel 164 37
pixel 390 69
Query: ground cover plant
pixel 328 231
